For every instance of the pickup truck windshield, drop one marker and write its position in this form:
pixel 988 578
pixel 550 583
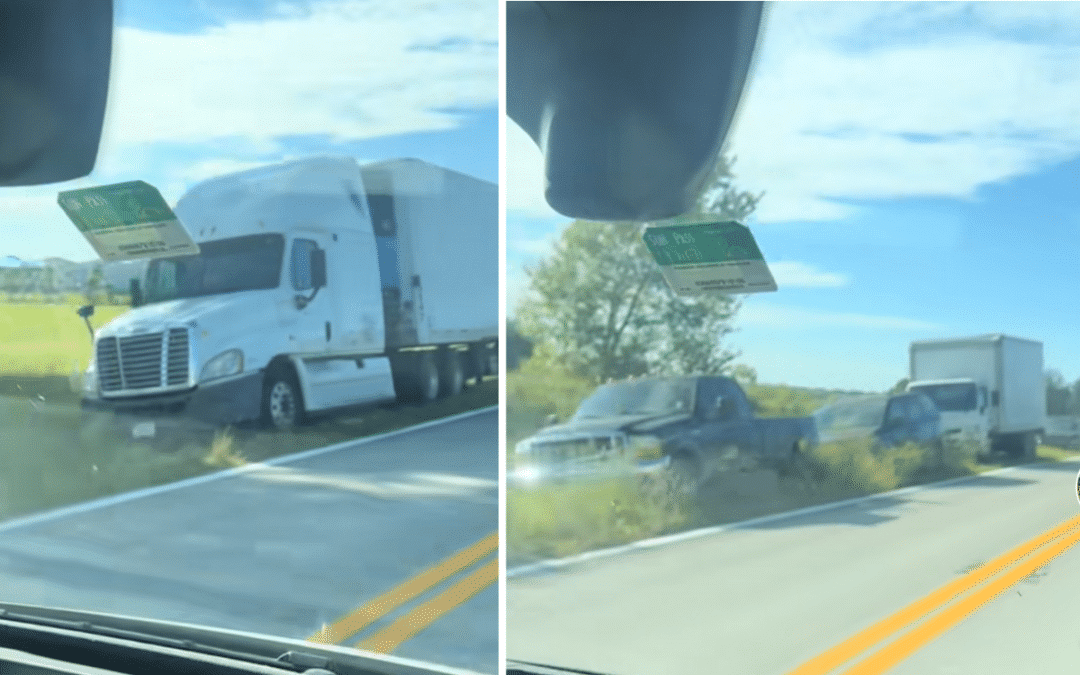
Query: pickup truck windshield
pixel 226 266
pixel 861 413
pixel 951 397
pixel 647 397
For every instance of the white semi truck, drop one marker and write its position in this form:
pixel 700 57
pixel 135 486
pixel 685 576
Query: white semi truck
pixel 990 390
pixel 319 283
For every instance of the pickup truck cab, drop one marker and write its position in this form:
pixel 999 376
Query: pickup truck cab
pixel 892 420
pixel 698 426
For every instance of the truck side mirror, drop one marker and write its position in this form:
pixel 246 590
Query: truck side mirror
pixel 135 290
pixel 318 268
pixel 87 311
pixel 550 420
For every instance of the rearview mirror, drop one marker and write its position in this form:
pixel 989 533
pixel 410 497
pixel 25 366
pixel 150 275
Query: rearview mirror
pixel 318 268
pixel 53 89
pixel 136 293
pixel 593 84
pixel 87 311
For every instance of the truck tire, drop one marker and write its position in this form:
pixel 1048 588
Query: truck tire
pixel 451 373
pixel 485 361
pixel 1030 445
pixel 422 378
pixel 684 477
pixel 802 471
pixel 283 403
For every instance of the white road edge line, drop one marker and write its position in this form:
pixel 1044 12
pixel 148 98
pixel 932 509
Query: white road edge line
pixel 553 564
pixel 84 507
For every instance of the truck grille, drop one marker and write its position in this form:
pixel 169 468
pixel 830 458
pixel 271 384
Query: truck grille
pixel 570 449
pixel 152 361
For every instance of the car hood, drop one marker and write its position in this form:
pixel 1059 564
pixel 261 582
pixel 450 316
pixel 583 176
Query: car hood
pixel 249 646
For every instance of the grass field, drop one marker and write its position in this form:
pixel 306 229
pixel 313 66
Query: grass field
pixel 52 455
pixel 560 520
pixel 564 520
pixel 39 339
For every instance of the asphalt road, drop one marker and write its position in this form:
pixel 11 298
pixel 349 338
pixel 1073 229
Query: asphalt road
pixel 771 596
pixel 292 549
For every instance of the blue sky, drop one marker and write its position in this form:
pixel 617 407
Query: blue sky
pixel 921 164
pixel 204 87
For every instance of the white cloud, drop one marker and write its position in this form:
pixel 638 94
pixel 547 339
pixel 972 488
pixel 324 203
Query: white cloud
pixel 938 118
pixel 853 101
pixel 517 289
pixel 347 69
pixel 533 248
pixel 525 176
pixel 794 274
pixel 798 318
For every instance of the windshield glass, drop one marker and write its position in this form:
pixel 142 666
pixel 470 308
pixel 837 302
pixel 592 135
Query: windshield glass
pixel 862 413
pixel 226 266
pixel 648 397
pixel 907 173
pixel 951 397
pixel 278 134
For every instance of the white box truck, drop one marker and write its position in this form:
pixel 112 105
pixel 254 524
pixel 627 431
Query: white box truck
pixel 319 283
pixel 990 390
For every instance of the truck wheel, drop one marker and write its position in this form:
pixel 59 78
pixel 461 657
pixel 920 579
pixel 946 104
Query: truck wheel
pixel 425 376
pixel 936 451
pixel 485 361
pixel 1030 445
pixel 684 479
pixel 452 373
pixel 283 405
pixel 802 470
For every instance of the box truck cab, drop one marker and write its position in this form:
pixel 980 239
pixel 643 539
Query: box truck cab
pixel 962 403
pixel 319 283
pixel 989 390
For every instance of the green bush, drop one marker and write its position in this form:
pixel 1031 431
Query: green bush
pixel 538 390
pixel 554 521
pixel 857 467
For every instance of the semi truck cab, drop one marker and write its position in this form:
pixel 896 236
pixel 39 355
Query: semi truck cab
pixel 297 301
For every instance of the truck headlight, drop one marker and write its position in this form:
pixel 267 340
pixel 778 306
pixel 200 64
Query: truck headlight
pixel 224 364
pixel 645 448
pixel 90 381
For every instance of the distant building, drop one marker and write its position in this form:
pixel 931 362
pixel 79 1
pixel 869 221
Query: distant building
pixel 71 277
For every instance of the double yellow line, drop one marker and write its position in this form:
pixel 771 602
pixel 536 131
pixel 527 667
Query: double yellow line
pixel 984 585
pixel 424 614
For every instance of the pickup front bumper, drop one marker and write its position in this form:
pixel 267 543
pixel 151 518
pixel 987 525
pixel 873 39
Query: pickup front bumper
pixel 204 408
pixel 533 475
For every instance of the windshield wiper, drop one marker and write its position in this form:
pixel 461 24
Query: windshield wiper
pixel 108 641
pixel 526 668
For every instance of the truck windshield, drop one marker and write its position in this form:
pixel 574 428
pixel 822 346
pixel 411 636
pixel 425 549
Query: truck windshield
pixel 860 413
pixel 647 397
pixel 957 397
pixel 226 266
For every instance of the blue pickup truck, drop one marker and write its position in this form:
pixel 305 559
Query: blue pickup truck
pixel 691 427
